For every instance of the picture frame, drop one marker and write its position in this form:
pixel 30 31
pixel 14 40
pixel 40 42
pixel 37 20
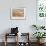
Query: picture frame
pixel 41 9
pixel 17 13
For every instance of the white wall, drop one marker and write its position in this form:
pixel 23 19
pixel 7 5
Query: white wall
pixel 24 25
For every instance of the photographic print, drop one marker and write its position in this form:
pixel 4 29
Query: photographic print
pixel 18 13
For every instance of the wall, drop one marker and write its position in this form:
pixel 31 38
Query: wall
pixel 24 25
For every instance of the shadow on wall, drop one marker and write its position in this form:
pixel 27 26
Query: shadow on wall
pixel 6 31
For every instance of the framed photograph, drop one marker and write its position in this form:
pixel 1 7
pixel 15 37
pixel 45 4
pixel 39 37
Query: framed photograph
pixel 41 9
pixel 18 13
